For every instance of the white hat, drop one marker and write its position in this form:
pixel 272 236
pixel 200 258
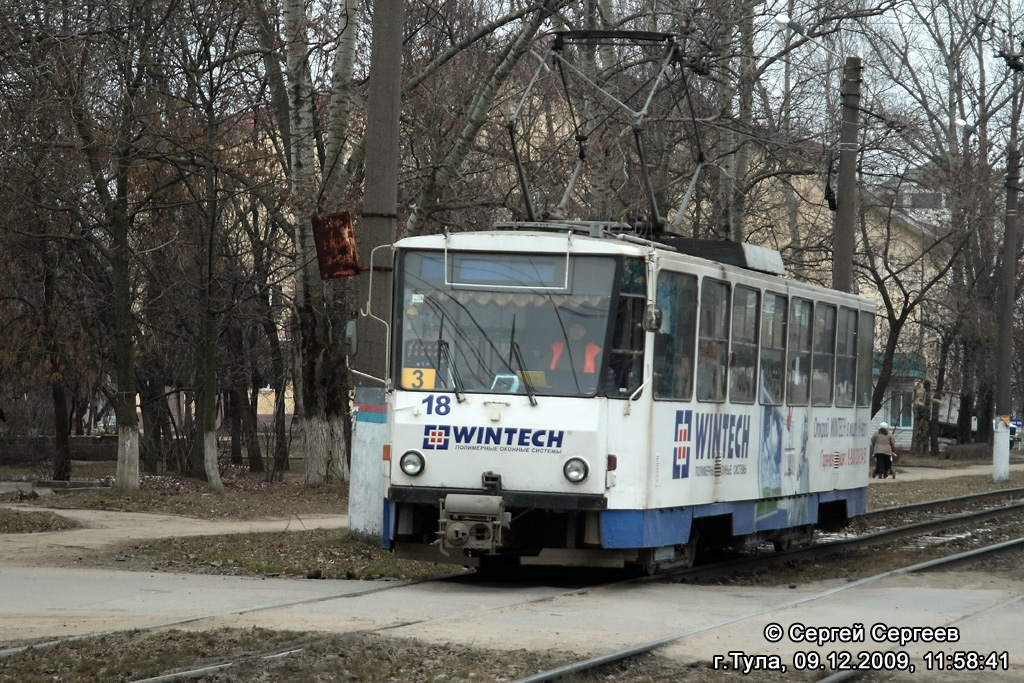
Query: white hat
pixel 884 425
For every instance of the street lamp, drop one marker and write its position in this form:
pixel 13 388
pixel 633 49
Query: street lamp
pixel 1007 288
pixel 843 237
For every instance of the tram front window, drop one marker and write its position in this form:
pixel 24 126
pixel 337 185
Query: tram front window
pixel 504 323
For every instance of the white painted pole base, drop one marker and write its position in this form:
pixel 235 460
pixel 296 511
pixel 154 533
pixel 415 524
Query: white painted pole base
pixel 1001 449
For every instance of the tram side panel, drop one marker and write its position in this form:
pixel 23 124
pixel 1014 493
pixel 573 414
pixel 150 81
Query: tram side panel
pixel 768 467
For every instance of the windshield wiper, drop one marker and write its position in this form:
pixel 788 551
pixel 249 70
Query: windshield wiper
pixel 446 353
pixel 517 354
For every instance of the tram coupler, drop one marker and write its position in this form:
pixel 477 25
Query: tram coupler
pixel 472 522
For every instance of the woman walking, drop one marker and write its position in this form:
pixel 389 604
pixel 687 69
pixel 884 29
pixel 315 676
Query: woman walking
pixel 882 447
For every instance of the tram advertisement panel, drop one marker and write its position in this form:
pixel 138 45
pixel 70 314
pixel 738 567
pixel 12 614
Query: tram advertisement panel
pixel 707 453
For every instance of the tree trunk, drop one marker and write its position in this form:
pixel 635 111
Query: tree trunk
pixel 922 420
pixel 316 347
pixel 153 400
pixel 963 421
pixel 235 398
pixel 986 411
pixel 278 382
pixel 127 476
pixel 62 430
pixel 251 429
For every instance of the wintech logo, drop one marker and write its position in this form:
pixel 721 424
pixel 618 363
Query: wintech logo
pixel 442 437
pixel 708 436
pixel 681 452
pixel 435 437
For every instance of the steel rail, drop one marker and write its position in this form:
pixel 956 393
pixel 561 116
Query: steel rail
pixel 940 502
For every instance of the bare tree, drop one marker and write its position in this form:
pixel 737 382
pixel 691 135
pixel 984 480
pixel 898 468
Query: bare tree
pixel 937 66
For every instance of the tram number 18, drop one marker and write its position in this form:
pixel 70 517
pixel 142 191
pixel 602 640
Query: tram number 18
pixel 438 405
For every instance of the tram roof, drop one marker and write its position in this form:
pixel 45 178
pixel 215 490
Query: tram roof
pixel 601 237
pixel 522 240
pixel 598 239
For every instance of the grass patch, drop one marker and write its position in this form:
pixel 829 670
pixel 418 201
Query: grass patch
pixel 904 492
pixel 81 470
pixel 28 521
pixel 244 497
pixel 315 553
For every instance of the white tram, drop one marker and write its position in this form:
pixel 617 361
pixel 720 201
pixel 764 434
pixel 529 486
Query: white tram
pixel 568 394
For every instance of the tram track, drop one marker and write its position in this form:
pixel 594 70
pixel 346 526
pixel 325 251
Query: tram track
pixel 933 525
pixel 932 506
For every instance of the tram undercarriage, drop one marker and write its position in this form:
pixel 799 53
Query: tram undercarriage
pixel 475 530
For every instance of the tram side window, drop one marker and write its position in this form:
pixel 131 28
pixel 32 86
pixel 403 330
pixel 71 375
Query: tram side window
pixel 824 354
pixel 626 361
pixel 846 357
pixel 799 370
pixel 865 347
pixel 673 342
pixel 713 343
pixel 743 376
pixel 773 348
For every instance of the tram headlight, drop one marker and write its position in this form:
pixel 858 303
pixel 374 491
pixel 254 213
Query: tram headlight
pixel 412 463
pixel 575 470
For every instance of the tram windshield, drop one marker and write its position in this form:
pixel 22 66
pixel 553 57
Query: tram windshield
pixel 529 324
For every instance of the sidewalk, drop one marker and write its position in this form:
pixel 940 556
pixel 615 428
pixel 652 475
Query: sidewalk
pixel 921 473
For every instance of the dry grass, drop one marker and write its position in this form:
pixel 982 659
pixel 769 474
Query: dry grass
pixel 245 497
pixel 904 492
pixel 27 522
pixel 314 554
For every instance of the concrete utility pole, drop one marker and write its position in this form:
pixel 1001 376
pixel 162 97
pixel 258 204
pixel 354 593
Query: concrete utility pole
pixel 380 213
pixel 846 210
pixel 380 188
pixel 1004 342
pixel 1008 280
pixel 846 194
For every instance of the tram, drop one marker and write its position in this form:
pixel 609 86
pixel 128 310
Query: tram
pixel 569 393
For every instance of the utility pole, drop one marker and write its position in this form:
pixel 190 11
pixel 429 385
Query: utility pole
pixel 1007 285
pixel 380 187
pixel 846 199
pixel 1008 281
pixel 843 237
pixel 1004 342
pixel 379 218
